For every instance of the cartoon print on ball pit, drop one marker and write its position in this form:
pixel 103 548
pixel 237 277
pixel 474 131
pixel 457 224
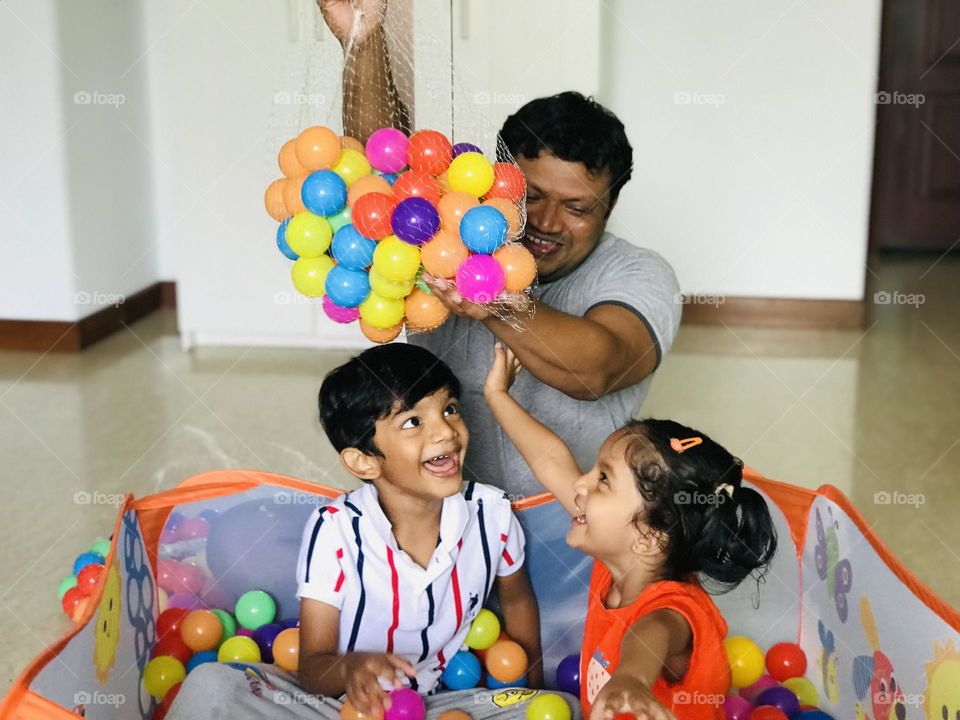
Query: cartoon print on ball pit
pixel 831 567
pixel 107 625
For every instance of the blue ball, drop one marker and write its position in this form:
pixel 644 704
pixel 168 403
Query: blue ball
pixel 351 249
pixel 282 241
pixel 346 287
pixel 483 229
pixel 290 622
pixel 324 192
pixel 390 178
pixel 200 658
pixel 812 715
pixel 463 672
pixel 84 559
pixel 568 675
pixel 494 684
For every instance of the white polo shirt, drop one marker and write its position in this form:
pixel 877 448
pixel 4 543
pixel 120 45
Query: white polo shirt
pixel 350 559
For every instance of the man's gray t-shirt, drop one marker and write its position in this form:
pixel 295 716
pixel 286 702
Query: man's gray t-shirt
pixel 617 273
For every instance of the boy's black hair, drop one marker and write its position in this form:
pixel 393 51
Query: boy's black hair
pixel 574 128
pixel 375 383
pixel 719 536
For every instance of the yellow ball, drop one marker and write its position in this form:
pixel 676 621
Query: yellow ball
pixel 309 235
pixel 381 312
pixel 804 690
pixel 484 631
pixel 309 275
pixel 472 173
pixel 396 260
pixel 352 166
pixel 548 706
pixel 746 661
pixel 393 289
pixel 239 648
pixel 161 674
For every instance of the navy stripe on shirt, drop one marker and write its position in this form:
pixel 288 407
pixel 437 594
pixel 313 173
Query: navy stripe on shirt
pixel 483 540
pixel 468 495
pixel 313 541
pixel 363 592
pixel 423 633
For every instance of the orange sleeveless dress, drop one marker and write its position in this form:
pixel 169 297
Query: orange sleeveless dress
pixel 699 694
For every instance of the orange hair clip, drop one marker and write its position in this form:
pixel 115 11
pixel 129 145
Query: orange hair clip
pixel 685 444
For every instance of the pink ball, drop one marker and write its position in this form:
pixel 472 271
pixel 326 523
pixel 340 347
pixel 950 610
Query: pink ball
pixel 178 577
pixel 405 704
pixel 737 708
pixel 387 150
pixel 246 632
pixel 480 278
pixel 338 313
pixel 751 692
pixel 191 528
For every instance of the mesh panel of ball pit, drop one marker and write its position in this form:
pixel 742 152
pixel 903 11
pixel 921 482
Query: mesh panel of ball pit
pixel 860 616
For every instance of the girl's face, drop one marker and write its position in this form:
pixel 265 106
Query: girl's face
pixel 608 501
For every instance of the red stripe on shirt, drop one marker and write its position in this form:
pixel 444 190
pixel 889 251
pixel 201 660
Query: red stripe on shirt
pixel 342 576
pixel 455 578
pixel 395 584
pixel 506 555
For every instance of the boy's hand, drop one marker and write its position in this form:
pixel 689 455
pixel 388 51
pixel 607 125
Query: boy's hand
pixel 628 696
pixel 362 673
pixel 503 371
pixel 340 16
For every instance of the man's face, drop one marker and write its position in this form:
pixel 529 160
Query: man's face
pixel 567 210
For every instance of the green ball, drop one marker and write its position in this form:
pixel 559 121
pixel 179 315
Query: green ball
pixel 65 584
pixel 255 608
pixel 228 623
pixel 340 219
pixel 101 547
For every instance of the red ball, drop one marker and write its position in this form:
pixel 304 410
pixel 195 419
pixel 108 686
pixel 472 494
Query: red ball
pixel 73 603
pixel 160 712
pixel 89 577
pixel 169 622
pixel 508 183
pixel 786 660
pixel 371 215
pixel 768 712
pixel 174 646
pixel 417 184
pixel 429 151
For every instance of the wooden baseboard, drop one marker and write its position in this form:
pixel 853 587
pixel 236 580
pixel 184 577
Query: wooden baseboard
pixel 59 336
pixel 775 312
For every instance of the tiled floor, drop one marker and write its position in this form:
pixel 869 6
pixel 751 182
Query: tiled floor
pixel 870 410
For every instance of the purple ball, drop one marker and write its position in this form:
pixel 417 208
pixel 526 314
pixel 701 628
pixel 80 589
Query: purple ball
pixel 568 675
pixel 264 636
pixel 289 623
pixel 752 692
pixel 186 601
pixel 461 148
pixel 737 708
pixel 405 704
pixel 781 698
pixel 480 278
pixel 415 220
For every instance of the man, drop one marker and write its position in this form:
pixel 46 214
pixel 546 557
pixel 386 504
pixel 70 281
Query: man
pixel 605 311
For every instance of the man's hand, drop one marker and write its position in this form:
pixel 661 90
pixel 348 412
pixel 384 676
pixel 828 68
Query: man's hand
pixel 362 672
pixel 454 301
pixel 624 695
pixel 340 16
pixel 503 371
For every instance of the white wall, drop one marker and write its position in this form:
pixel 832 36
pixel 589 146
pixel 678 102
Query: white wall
pixel 752 124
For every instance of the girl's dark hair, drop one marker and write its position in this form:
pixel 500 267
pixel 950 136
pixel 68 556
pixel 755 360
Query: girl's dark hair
pixel 722 537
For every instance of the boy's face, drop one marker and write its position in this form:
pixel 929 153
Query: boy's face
pixel 423 448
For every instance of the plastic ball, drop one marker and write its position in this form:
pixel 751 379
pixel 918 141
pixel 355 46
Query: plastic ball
pixel 84 559
pixel 508 182
pixel 282 241
pixel 812 715
pixel 780 698
pixel 395 259
pixel 350 143
pixel 506 661
pixel 177 577
pixel 464 147
pixel 351 249
pixel 462 672
pixel 751 691
pixel 429 151
pixel 309 235
pixel 519 266
pixel 510 212
pixel 161 674
pixel 444 183
pixel 349 712
pixel 200 658
pixel 344 217
pixel 368 184
pixel 393 289
pixel 746 660
pixel 417 184
pixel 391 178
pixel 352 166
pixel 162 600
pixel 255 608
pixel 443 254
pixel 68 582
pixel 273 200
pixel 293 195
pixel 317 148
pixel 453 715
pixel 548 706
pixel 381 312
pixel 472 173
pixel 264 636
pixel 480 279
pixel 347 287
pixel 101 547
pixel 568 675
pixel 337 313
pixel 737 708
pixel 324 192
pixel 287 160
pixel 227 623
pixel 452 207
pixel 423 311
pixel 380 335
pixel 767 712
pixel 405 704
pixel 372 214
pixel 484 631
pixel 193 528
pixel 387 150
pixel 786 660
pixel 74 603
pixel 415 220
pixel 494 684
pixel 309 275
pixel 168 622
pixel 163 707
pixel 201 630
pixel 239 648
pixel 483 229
pixel 244 632
pixel 805 690
pixel 172 646
pixel 89 578
pixel 290 622
pixel 185 600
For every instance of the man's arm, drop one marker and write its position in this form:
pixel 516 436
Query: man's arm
pixel 521 616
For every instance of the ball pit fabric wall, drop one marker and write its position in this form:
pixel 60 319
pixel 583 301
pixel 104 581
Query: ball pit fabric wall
pixel 876 639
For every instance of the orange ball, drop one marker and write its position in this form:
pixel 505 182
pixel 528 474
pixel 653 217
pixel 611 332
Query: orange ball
pixel 508 182
pixel 453 715
pixel 349 712
pixel 443 254
pixel 506 661
pixel 417 184
pixel 424 312
pixel 511 212
pixel 292 199
pixel 367 184
pixel 444 183
pixel 518 264
pixel 452 206
pixel 351 143
pixel 429 151
pixel 201 630
pixel 317 148
pixel 273 200
pixel 286 649
pixel 287 160
pixel 377 335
